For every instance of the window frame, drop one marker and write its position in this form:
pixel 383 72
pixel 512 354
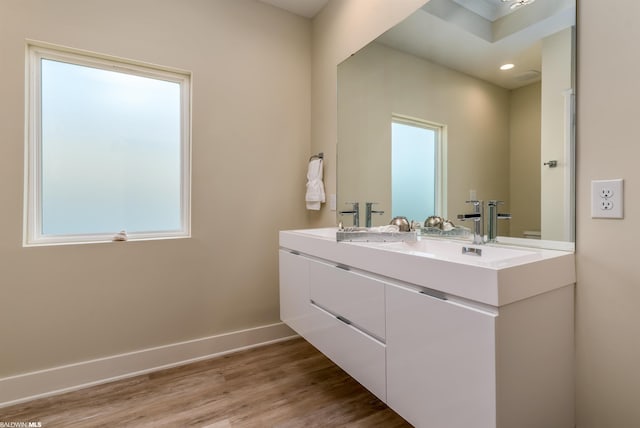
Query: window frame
pixel 440 157
pixel 35 52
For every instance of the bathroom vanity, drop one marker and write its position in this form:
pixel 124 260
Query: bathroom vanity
pixel 446 339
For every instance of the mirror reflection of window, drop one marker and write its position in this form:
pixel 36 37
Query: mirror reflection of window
pixel 414 169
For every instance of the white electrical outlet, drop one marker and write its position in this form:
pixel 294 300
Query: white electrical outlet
pixel 606 192
pixel 607 199
pixel 606 205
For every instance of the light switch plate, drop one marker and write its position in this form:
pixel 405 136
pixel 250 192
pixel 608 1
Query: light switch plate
pixel 332 201
pixel 607 198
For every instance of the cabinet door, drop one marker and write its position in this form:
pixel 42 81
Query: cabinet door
pixel 440 361
pixel 294 291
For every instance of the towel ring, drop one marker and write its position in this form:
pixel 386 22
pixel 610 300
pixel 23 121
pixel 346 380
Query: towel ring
pixel 318 156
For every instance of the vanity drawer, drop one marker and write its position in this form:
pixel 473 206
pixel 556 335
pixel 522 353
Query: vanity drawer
pixel 360 355
pixel 356 297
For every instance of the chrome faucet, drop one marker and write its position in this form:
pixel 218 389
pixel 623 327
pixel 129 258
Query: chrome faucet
pixel 355 211
pixel 494 216
pixel 370 211
pixel 478 221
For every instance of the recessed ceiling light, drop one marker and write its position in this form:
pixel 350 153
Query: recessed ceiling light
pixel 506 66
pixel 517 3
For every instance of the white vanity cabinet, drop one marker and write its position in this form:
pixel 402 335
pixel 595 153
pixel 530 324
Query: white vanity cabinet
pixel 294 290
pixel 440 361
pixel 455 364
pixel 339 312
pixel 445 344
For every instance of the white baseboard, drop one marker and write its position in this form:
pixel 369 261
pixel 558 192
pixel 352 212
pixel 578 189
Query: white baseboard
pixel 57 380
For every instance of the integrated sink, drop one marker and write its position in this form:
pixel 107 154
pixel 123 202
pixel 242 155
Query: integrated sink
pixel 499 276
pixel 464 252
pixel 324 233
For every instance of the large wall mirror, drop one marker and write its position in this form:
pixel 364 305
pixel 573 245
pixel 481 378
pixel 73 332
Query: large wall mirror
pixel 428 120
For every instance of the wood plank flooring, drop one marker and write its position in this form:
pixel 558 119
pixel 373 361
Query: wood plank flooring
pixel 288 384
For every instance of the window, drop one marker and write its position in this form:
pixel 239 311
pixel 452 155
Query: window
pixel 108 149
pixel 418 176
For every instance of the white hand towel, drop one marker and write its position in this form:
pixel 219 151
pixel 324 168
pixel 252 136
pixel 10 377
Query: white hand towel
pixel 315 186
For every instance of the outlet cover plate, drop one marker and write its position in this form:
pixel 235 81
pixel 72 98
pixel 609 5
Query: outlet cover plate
pixel 607 198
pixel 332 202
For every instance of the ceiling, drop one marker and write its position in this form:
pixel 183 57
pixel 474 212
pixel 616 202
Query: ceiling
pixel 489 9
pixel 449 33
pixel 306 8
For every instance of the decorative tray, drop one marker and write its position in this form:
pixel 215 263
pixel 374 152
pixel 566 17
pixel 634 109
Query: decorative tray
pixel 369 236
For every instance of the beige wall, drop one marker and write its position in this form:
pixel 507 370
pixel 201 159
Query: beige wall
pixel 342 28
pixel 251 120
pixel 379 82
pixel 524 154
pixel 608 291
pixel 363 152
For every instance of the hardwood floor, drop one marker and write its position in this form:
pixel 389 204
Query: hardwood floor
pixel 288 384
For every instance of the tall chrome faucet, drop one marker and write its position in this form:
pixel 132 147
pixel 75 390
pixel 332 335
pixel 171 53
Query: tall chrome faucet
pixel 478 221
pixel 355 211
pixel 370 211
pixel 494 216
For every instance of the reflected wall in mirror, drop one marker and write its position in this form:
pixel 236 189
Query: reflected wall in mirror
pixel 440 68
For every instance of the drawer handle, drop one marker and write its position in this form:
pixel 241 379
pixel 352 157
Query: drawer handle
pixel 343 319
pixel 343 267
pixel 433 293
pixel 295 253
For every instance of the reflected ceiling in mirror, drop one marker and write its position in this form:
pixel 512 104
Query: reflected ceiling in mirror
pixel 441 67
pixel 477 41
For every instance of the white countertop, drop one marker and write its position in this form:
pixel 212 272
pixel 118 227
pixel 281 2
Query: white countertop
pixel 502 275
